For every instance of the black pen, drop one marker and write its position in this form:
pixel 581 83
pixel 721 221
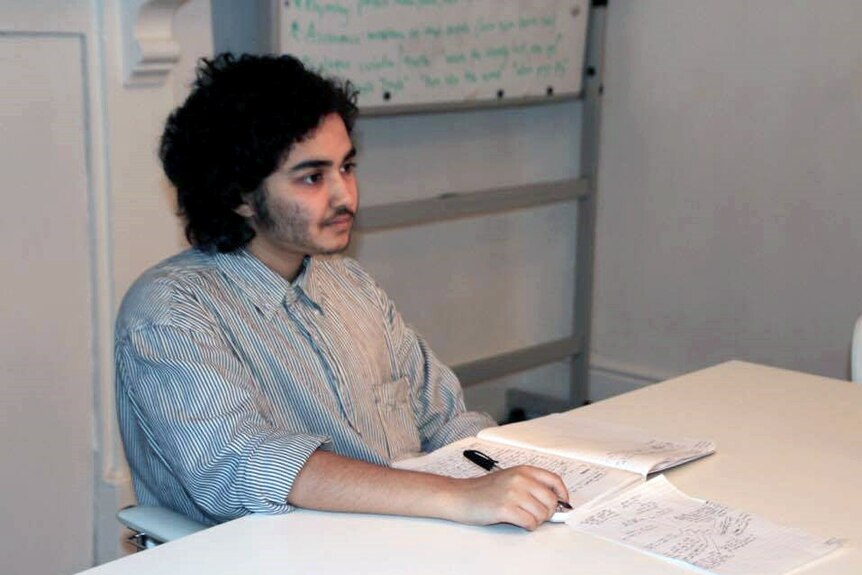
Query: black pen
pixel 482 460
pixel 490 464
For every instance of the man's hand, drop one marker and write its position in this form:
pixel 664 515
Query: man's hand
pixel 523 496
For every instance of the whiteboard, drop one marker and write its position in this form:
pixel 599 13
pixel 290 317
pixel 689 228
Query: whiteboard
pixel 426 52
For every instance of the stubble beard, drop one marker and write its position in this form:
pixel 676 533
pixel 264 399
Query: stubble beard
pixel 293 226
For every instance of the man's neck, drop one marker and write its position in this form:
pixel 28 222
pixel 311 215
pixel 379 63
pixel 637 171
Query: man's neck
pixel 287 265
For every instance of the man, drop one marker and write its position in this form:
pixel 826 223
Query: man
pixel 258 371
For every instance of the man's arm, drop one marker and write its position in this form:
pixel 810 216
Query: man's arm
pixel 201 430
pixel 523 496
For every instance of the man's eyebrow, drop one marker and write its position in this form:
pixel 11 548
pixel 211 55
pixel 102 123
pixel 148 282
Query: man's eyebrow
pixel 307 164
pixel 311 164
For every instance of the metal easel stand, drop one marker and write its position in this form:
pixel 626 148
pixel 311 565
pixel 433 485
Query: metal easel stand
pixel 533 404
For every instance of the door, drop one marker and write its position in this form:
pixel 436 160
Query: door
pixel 46 303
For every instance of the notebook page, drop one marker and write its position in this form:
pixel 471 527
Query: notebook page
pixel 657 518
pixel 598 442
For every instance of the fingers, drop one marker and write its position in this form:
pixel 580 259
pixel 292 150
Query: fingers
pixel 550 480
pixel 533 496
pixel 524 519
pixel 523 496
pixel 541 502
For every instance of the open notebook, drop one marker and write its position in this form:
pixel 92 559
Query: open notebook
pixel 595 459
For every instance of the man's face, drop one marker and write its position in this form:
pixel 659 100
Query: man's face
pixel 307 205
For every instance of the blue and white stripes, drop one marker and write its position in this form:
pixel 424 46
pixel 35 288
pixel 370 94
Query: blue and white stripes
pixel 229 377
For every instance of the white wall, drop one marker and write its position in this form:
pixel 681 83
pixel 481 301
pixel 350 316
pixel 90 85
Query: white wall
pixel 729 202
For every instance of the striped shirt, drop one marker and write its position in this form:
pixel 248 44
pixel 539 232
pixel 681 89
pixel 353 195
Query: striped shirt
pixel 229 377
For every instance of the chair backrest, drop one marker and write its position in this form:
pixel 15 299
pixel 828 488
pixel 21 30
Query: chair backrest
pixel 856 353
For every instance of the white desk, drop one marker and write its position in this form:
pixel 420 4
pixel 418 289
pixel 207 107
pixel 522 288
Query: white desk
pixel 789 448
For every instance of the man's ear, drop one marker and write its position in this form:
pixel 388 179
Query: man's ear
pixel 245 210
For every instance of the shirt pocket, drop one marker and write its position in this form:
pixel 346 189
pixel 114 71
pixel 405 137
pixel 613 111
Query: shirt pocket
pixel 394 408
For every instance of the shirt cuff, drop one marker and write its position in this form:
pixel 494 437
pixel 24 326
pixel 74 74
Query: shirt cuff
pixel 272 469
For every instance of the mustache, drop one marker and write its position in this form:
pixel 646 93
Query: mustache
pixel 340 211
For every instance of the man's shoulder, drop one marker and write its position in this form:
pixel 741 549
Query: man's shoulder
pixel 348 274
pixel 154 298
pixel 342 266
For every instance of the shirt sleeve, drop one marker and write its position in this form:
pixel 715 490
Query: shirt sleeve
pixel 438 400
pixel 205 421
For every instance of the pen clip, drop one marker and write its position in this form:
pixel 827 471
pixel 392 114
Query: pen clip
pixel 484 461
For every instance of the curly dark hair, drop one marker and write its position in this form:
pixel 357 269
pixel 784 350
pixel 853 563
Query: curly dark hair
pixel 241 119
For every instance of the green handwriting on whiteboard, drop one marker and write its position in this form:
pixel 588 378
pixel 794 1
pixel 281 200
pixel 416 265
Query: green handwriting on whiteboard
pixel 313 35
pixel 382 63
pixel 455 49
pixel 323 9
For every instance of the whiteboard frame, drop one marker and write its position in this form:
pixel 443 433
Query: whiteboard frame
pixel 464 106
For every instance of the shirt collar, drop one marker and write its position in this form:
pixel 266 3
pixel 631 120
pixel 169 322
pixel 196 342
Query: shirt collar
pixel 266 289
pixel 308 281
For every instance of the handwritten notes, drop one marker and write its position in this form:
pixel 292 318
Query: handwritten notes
pixel 657 518
pixel 403 52
pixel 585 482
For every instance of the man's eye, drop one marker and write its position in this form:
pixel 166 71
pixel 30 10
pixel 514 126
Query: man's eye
pixel 312 179
pixel 348 167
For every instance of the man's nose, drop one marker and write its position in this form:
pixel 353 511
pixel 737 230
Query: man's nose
pixel 343 191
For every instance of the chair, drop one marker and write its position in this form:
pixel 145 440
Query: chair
pixel 856 353
pixel 155 525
